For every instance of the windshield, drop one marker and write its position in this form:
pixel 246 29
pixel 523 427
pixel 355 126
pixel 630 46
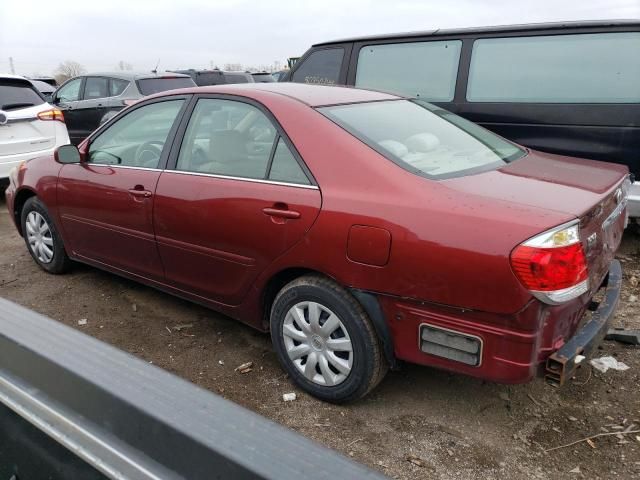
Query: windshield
pixel 423 138
pixel 148 86
pixel 16 94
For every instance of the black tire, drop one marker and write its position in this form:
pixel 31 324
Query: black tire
pixel 368 364
pixel 60 262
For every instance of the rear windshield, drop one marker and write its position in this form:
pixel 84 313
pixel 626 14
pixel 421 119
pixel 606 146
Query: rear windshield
pixel 236 78
pixel 264 77
pixel 15 94
pixel 149 86
pixel 423 138
pixel 209 78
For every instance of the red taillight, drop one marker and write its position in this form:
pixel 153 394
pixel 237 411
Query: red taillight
pixel 553 265
pixel 53 114
pixel 549 269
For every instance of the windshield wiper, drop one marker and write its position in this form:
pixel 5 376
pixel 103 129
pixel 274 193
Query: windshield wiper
pixel 16 105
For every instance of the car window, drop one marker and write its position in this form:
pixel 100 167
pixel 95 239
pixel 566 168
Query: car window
pixel 149 86
pixel 117 86
pixel 96 87
pixel 321 67
pixel 426 70
pixel 236 78
pixel 71 91
pixel 285 167
pixel 226 137
pixel 17 93
pixel 423 138
pixel 137 139
pixel 584 68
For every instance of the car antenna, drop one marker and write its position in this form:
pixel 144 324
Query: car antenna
pixel 155 70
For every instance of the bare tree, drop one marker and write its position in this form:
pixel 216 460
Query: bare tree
pixel 67 70
pixel 124 66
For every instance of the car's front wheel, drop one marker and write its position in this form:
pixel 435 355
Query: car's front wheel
pixel 42 238
pixel 325 340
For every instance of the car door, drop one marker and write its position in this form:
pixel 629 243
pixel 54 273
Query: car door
pixel 67 98
pixel 106 201
pixel 238 196
pixel 93 105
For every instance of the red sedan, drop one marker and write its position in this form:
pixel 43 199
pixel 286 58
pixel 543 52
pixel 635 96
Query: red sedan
pixel 360 228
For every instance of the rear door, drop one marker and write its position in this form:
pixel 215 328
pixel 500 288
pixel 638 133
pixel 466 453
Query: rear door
pixel 238 197
pixel 106 202
pixel 20 129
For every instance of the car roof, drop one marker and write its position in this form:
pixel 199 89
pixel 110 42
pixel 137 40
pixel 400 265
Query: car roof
pixel 311 95
pixel 488 29
pixel 125 75
pixel 9 76
pixel 43 86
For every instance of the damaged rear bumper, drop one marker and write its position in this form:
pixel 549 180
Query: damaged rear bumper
pixel 562 364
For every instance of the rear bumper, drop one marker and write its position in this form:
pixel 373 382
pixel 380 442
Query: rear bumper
pixel 562 364
pixel 7 162
pixel 513 348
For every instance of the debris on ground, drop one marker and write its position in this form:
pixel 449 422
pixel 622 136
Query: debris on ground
pixel 416 461
pixel 221 362
pixel 289 397
pixel 575 470
pixel 82 321
pixel 244 368
pixel 184 326
pixel 134 307
pixel 603 364
pixel 632 337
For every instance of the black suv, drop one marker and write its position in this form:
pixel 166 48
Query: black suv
pixel 567 88
pixel 204 78
pixel 89 100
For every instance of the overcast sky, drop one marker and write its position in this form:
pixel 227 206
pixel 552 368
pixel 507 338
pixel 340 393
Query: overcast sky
pixel 197 33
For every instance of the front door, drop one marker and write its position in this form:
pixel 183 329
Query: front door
pixel 67 98
pixel 238 198
pixel 106 202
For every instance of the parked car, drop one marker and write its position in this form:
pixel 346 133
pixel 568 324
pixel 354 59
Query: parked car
pixel 279 75
pixel 48 80
pixel 566 88
pixel 205 78
pixel 360 228
pixel 29 126
pixel 45 89
pixel 89 100
pixel 263 77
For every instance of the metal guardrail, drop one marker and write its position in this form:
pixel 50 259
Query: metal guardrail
pixel 74 407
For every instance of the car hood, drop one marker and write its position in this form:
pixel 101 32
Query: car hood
pixel 545 181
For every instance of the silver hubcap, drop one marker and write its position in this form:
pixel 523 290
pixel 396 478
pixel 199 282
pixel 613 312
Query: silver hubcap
pixel 317 343
pixel 39 237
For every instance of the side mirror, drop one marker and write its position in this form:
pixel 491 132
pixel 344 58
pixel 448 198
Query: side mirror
pixel 67 154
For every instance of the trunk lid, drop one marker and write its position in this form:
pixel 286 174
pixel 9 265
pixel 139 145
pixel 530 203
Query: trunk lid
pixel 23 132
pixel 587 190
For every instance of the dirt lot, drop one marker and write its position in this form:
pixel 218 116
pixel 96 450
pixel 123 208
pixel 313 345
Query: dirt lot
pixel 457 426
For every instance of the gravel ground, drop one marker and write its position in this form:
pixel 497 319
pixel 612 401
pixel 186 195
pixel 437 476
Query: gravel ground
pixel 451 426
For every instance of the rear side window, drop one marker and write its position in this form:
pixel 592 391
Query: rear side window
pixel 117 86
pixel 96 87
pixel 585 68
pixel 15 94
pixel 425 70
pixel 149 86
pixel 321 67
pixel 285 167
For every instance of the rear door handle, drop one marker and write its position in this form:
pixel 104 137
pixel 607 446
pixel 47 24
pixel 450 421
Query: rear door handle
pixel 280 213
pixel 137 192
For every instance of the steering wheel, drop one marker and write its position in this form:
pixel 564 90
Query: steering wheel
pixel 147 153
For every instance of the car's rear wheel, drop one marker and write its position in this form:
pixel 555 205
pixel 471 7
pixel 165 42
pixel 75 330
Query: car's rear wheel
pixel 42 238
pixel 325 340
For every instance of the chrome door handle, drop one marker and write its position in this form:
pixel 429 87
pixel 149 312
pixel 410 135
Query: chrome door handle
pixel 139 193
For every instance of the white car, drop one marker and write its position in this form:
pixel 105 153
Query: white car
pixel 29 126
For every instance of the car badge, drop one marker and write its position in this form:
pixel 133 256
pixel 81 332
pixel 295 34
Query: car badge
pixel 3 118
